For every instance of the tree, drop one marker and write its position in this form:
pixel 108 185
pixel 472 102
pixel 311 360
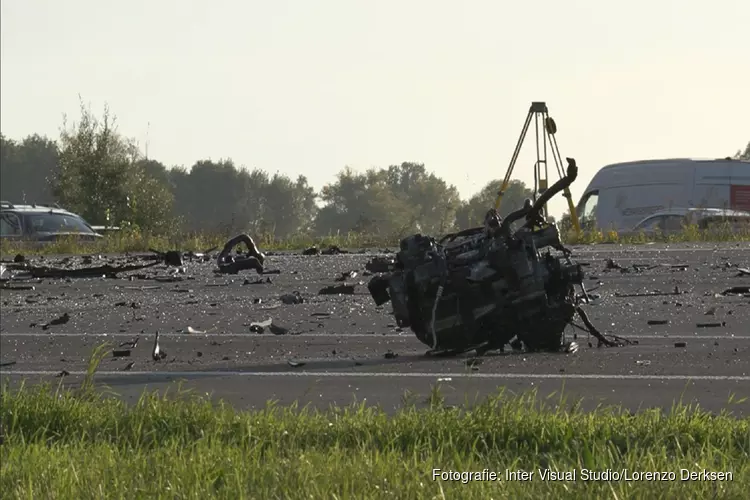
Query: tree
pixel 26 169
pixel 472 212
pixel 101 177
pixel 431 202
pixel 288 206
pixel 390 202
pixel 743 155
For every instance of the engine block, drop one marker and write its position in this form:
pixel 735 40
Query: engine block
pixel 480 288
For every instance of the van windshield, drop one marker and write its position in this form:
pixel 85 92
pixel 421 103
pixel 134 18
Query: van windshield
pixel 587 209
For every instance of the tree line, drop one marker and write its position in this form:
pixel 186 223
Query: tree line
pixel 100 174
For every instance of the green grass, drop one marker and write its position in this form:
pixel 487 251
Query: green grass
pixel 80 444
pixel 137 241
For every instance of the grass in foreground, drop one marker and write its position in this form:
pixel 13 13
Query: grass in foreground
pixel 62 444
pixel 136 241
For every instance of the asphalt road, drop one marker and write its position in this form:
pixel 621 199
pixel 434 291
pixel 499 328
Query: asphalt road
pixel 338 349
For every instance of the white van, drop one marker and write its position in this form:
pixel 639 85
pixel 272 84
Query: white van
pixel 621 195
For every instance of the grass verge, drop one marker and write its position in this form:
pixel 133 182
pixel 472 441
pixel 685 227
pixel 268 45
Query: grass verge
pixel 137 241
pixel 79 444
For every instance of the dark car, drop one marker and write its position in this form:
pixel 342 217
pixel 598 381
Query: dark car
pixel 42 223
pixel 674 220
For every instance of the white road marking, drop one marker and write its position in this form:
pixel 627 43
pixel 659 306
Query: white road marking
pixel 407 335
pixel 302 373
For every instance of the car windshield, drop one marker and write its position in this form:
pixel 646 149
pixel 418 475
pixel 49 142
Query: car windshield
pixel 57 223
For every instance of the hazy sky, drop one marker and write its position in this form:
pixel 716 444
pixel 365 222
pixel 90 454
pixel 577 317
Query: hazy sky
pixel 307 87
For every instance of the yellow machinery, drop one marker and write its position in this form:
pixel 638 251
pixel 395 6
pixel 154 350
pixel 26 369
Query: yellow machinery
pixel 545 136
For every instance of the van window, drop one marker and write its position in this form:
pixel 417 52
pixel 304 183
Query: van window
pixel 587 209
pixel 9 225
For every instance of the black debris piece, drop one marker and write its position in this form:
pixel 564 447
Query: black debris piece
pixel 650 294
pixel 680 344
pixel 658 322
pixel 7 363
pixel 390 355
pixel 57 321
pixel 131 344
pixel 19 258
pixel 121 353
pixel 333 250
pixel 311 251
pixel 278 330
pixel 381 264
pixel 611 264
pixel 173 258
pixel 256 329
pixel 63 373
pixel 347 275
pixel 337 289
pixel 17 287
pixel 711 325
pixel 601 338
pixel 292 298
pixel 736 290
pixel 129 366
pixel 258 281
pixel 253 259
pixel 86 272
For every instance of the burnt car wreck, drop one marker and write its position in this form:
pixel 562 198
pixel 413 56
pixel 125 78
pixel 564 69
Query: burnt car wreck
pixel 485 287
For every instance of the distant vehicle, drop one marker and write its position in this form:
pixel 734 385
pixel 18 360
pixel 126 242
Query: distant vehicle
pixel 673 221
pixel 43 223
pixel 620 195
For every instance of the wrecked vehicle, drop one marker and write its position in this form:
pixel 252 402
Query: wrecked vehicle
pixel 485 287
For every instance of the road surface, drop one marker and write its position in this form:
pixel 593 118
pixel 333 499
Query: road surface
pixel 339 349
